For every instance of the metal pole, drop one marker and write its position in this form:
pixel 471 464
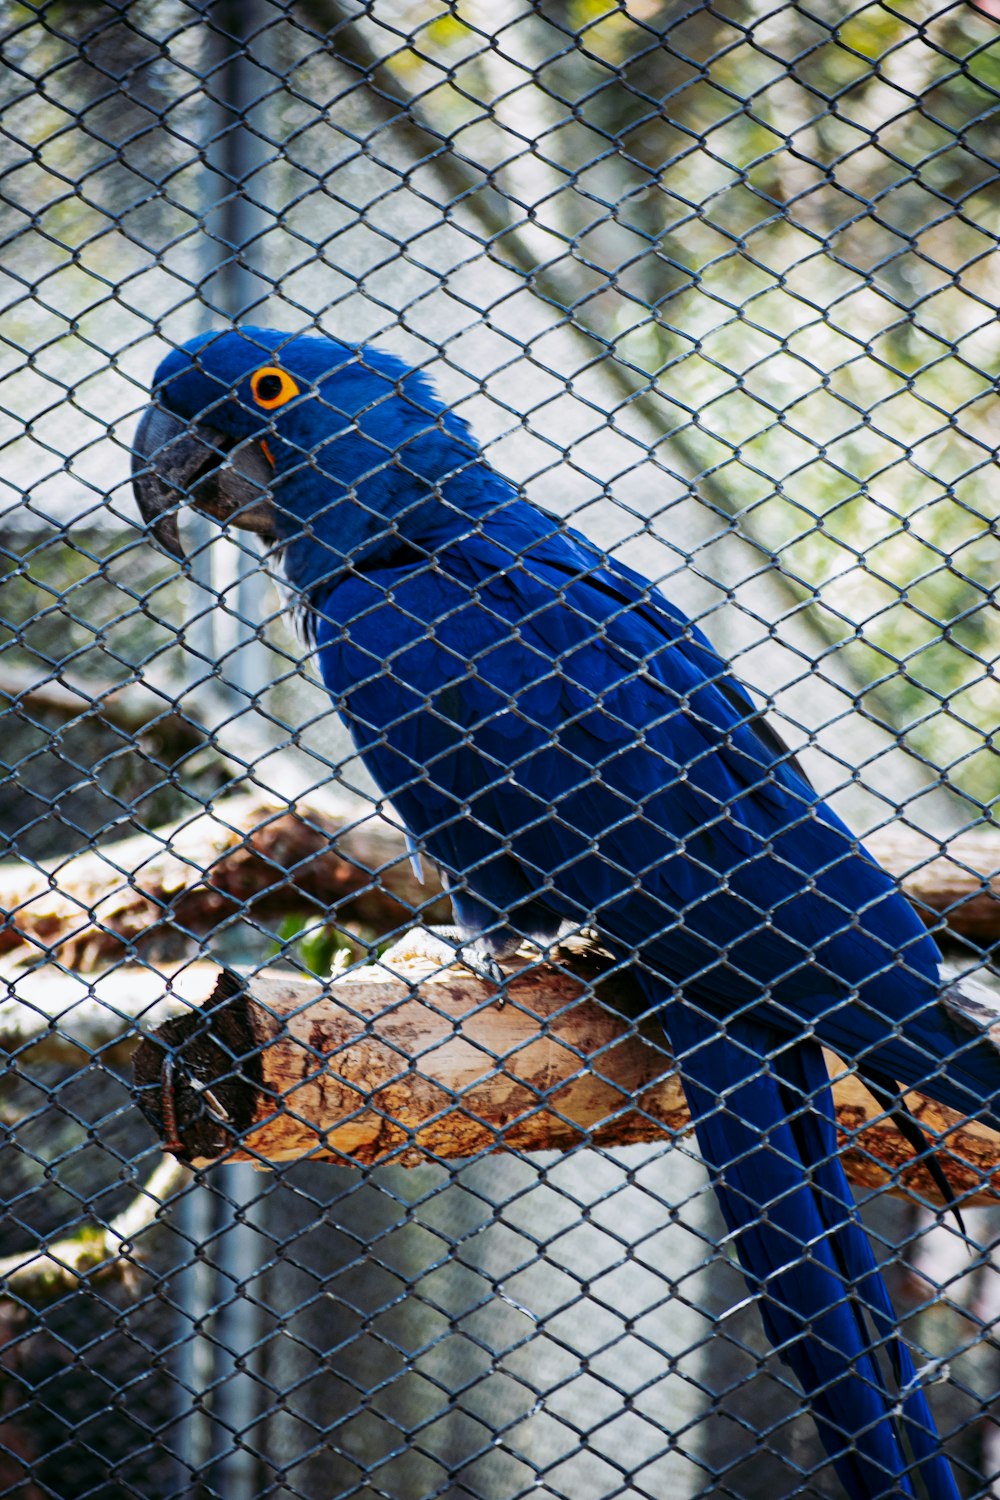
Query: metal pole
pixel 235 223
pixel 224 635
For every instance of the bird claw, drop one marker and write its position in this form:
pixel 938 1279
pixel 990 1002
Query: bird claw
pixel 425 948
pixel 485 967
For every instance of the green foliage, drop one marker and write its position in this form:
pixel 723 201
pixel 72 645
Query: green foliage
pixel 311 946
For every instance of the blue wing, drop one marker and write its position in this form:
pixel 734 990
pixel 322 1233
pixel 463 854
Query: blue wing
pixel 610 743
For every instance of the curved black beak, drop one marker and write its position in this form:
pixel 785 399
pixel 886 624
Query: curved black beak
pixel 175 463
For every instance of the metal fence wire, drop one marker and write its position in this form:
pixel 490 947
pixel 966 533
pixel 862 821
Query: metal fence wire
pixel 714 285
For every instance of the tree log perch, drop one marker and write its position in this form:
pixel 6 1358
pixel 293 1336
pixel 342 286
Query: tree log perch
pixel 374 1068
pixel 132 706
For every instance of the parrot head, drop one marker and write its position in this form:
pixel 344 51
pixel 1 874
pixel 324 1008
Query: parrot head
pixel 335 455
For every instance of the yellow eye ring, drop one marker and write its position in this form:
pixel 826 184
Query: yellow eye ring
pixel 272 387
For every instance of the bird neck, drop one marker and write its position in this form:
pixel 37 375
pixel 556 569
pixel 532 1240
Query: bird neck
pixel 387 518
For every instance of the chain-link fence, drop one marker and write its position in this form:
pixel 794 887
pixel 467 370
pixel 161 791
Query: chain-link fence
pixel 714 285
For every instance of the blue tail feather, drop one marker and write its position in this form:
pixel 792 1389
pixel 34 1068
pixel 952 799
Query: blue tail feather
pixel 817 1132
pixel 763 1112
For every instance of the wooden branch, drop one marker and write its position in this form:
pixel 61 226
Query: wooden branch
pixel 955 879
pixel 248 855
pixel 376 1068
pixel 95 1251
pixel 54 1013
pixel 134 707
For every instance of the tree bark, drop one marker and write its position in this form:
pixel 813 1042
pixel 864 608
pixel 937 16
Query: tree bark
pixel 248 856
pixel 375 1067
pixel 252 855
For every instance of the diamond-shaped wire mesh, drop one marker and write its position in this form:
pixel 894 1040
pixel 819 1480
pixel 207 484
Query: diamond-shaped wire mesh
pixel 716 286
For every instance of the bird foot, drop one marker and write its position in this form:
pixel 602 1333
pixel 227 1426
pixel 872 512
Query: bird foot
pixel 433 949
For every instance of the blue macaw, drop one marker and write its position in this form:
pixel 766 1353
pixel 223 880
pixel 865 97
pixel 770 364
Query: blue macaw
pixel 572 751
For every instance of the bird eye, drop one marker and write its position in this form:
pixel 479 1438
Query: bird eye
pixel 272 387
